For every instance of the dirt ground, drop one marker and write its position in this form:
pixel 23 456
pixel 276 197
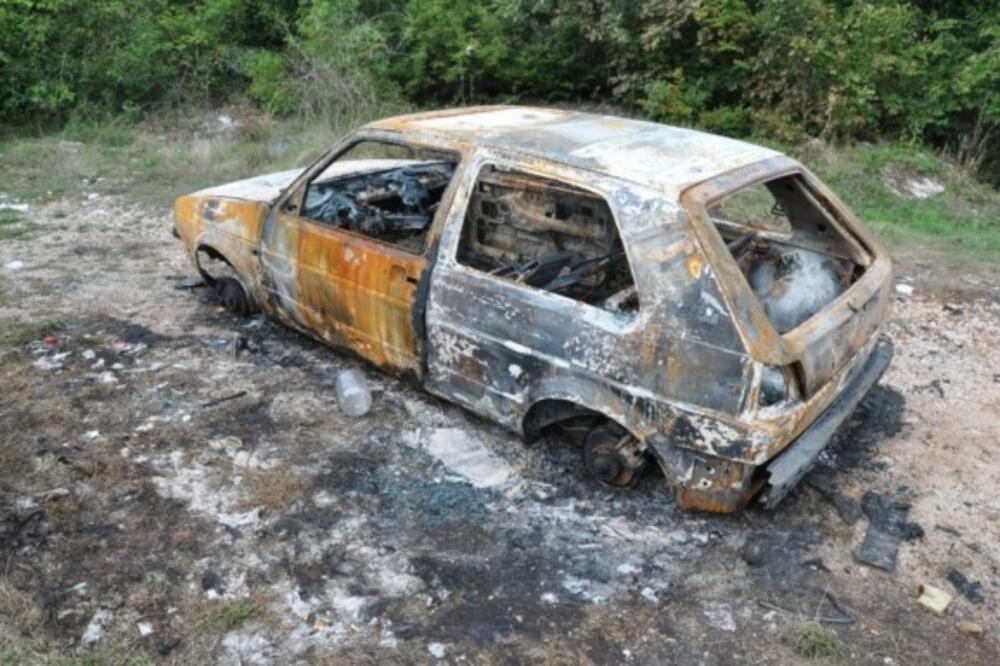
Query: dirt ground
pixel 164 499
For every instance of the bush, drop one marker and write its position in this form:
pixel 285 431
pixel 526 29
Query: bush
pixel 924 71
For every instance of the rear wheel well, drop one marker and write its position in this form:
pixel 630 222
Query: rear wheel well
pixel 612 454
pixel 574 419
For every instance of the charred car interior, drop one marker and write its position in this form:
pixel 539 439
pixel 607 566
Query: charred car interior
pixel 547 235
pixel 394 197
pixel 792 251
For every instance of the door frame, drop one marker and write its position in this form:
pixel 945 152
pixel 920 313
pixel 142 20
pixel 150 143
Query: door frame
pixel 416 266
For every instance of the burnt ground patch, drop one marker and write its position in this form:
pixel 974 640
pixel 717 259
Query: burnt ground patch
pixel 877 418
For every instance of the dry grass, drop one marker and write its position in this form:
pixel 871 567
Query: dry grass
pixel 274 489
pixel 19 607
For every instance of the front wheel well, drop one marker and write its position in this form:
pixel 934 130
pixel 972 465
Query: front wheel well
pixel 221 267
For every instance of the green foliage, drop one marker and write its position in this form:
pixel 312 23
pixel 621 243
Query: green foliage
pixel 913 71
pixel 814 641
pixel 228 616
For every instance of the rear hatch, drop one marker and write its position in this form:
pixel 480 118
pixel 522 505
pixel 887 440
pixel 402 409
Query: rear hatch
pixel 810 285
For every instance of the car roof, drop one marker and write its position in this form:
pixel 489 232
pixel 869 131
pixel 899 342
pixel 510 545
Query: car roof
pixel 662 157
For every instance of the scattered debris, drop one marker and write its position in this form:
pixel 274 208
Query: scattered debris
pixel 887 528
pixel 904 289
pixel 463 454
pixel 238 344
pixel 971 590
pixel 973 629
pixel 194 282
pixel 952 308
pixel 933 599
pixel 55 494
pixel 935 385
pixel 95 628
pixel 353 396
pixel 949 530
pixel 914 187
pixel 719 615
pixel 54 362
pixel 225 398
pixel 822 480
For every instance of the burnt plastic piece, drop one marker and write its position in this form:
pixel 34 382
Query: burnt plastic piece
pixel 887 527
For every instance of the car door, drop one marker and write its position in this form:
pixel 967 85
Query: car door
pixel 356 289
pixel 499 338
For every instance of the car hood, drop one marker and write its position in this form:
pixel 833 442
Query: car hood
pixel 259 188
pixel 268 187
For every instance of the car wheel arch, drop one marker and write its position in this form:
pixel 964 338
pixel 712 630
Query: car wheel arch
pixel 553 404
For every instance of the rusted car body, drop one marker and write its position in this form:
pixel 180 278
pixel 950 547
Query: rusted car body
pixel 591 274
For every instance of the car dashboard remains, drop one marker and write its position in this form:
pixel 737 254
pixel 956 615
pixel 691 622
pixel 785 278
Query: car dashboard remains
pixel 395 204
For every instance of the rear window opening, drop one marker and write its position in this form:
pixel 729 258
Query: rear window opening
pixel 793 251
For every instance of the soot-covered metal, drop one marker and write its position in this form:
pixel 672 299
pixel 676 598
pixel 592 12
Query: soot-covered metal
pixel 591 275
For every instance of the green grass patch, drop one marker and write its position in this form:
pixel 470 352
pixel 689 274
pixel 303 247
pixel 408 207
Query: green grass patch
pixel 814 641
pixel 228 616
pixel 965 216
pixel 14 226
pixel 162 158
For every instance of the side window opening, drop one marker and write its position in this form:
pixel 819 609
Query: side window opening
pixel 383 190
pixel 548 235
pixel 793 252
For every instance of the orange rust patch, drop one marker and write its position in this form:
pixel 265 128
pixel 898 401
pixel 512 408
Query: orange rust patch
pixel 694 265
pixel 358 290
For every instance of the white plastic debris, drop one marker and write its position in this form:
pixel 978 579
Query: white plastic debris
pixel 352 393
pixel 438 650
pixel 20 208
pixel 13 266
pixel 933 599
pixel 924 188
pixel 904 289
pixel 95 628
pixel 145 628
pixel 463 454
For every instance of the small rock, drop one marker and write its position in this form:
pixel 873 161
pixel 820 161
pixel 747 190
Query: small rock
pixel 953 308
pixel 973 629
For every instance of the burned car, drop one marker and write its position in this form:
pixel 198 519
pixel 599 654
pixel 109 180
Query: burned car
pixel 653 293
